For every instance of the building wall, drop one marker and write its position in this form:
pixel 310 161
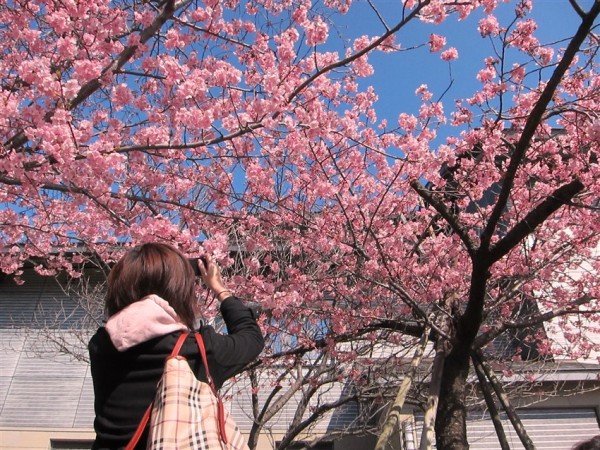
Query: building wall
pixel 40 439
pixel 46 395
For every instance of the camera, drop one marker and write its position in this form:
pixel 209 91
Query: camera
pixel 194 262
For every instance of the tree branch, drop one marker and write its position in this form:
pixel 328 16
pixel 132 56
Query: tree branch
pixel 133 198
pixel 485 338
pixel 408 328
pixel 393 420
pixel 504 401
pixel 452 220
pixel 364 51
pixel 534 119
pixel 92 86
pixel 577 8
pixel 317 412
pixel 561 196
pixel 257 125
pixel 485 389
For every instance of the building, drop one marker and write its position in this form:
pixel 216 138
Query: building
pixel 46 397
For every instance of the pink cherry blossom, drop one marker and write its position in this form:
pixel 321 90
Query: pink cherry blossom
pixel 449 54
pixel 436 42
pixel 423 91
pixel 523 35
pixel 122 95
pixel 71 88
pixel 486 74
pixel 489 26
pixel 545 55
pixel 594 130
pixel 257 132
pixel 286 43
pixel 316 32
pixel 86 70
pixel 518 73
pixel 407 123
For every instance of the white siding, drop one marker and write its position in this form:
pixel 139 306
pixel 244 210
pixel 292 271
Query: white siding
pixel 549 429
pixel 39 385
pixel 587 328
pixel 42 389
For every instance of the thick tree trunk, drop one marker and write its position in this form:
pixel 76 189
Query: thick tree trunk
pixel 451 420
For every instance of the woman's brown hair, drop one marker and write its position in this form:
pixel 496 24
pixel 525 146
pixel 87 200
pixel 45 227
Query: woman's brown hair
pixel 153 268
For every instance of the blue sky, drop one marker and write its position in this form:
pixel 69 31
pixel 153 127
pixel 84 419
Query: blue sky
pixel 397 75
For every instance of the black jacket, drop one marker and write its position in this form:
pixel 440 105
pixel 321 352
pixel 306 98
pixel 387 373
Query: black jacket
pixel 125 382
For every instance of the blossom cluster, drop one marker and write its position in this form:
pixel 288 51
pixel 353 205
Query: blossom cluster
pixel 251 132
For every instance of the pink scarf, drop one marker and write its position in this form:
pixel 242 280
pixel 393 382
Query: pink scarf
pixel 141 321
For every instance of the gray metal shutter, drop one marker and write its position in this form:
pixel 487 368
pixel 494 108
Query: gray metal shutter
pixel 549 429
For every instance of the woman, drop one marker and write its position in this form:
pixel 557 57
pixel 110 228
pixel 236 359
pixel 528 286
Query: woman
pixel 151 300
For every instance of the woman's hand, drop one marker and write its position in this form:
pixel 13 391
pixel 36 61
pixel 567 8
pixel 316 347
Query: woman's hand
pixel 211 277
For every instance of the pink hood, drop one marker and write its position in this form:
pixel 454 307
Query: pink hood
pixel 141 321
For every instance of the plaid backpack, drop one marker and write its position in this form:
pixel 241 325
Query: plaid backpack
pixel 187 414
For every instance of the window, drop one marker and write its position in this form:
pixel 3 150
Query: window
pixel 301 445
pixel 70 444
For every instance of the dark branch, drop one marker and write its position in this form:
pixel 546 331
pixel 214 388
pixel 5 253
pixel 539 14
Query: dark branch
pixel 92 86
pixel 408 328
pixel 486 390
pixel 534 120
pixel 561 196
pixel 477 356
pixel 441 208
pixel 531 321
pixel 75 190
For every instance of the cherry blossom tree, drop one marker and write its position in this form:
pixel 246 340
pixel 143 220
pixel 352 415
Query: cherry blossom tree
pixel 249 130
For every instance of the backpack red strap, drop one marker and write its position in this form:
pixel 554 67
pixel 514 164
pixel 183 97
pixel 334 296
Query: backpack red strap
pixel 220 408
pixel 144 422
pixel 140 429
pixel 178 345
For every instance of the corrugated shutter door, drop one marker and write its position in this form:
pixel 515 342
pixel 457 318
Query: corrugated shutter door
pixel 549 429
